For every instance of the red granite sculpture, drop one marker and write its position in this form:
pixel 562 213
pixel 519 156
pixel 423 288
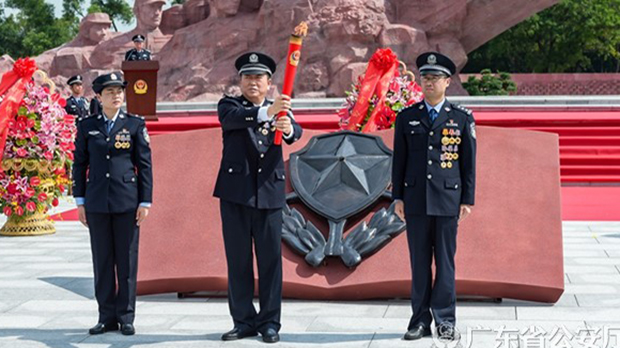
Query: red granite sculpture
pixel 197 42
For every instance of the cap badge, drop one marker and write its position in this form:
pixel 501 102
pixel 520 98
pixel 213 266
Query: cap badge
pixel 432 59
pixel 253 58
pixel 113 77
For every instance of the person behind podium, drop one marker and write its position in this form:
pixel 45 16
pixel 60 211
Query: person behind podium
pixel 138 52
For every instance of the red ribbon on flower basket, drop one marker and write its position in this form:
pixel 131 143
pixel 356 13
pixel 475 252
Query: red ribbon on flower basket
pixel 381 69
pixel 13 86
pixel 293 56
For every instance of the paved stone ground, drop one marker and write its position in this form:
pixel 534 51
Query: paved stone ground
pixel 46 300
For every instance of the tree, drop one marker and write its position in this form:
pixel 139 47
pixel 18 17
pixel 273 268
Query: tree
pixel 73 12
pixel 33 30
pixel 572 36
pixel 489 84
pixel 118 10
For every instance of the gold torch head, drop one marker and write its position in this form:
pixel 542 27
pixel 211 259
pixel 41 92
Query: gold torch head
pixel 301 30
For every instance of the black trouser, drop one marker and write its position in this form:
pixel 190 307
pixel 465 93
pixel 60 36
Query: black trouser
pixel 114 244
pixel 428 236
pixel 241 225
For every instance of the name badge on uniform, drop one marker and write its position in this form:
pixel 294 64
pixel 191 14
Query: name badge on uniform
pixel 94 132
pixel 452 124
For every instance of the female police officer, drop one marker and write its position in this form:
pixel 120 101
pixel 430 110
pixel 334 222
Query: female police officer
pixel 113 190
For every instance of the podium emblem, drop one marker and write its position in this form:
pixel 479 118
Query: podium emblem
pixel 140 87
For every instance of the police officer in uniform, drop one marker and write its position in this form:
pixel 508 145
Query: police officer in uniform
pixel 77 105
pixel 250 186
pixel 434 180
pixel 138 52
pixel 95 106
pixel 113 187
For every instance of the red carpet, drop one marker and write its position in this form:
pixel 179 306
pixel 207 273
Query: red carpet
pixel 591 203
pixel 69 215
pixel 579 203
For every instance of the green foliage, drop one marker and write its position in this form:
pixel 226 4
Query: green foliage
pixel 33 29
pixel 572 36
pixel 490 84
pixel 118 10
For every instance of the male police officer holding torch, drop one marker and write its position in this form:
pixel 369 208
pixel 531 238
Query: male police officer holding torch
pixel 250 186
pixel 433 176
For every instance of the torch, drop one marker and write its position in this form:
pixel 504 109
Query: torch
pixel 294 53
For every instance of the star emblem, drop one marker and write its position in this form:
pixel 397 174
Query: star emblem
pixel 340 165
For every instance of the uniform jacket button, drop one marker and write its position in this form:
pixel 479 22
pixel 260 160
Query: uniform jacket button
pixel 430 162
pixel 456 186
pixel 430 147
pixel 260 142
pixel 107 175
pixel 107 139
pixel 262 155
pixel 432 133
pixel 230 170
pixel 429 177
pixel 260 170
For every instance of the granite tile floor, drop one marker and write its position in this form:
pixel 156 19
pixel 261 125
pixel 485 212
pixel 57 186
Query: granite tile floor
pixel 46 300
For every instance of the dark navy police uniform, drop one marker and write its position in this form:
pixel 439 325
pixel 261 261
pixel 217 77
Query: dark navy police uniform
pixel 134 54
pixel 433 174
pixel 250 185
pixel 112 176
pixel 77 106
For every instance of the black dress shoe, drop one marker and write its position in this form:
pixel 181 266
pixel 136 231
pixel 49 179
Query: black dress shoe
pixel 417 333
pixel 128 329
pixel 271 336
pixel 101 328
pixel 237 334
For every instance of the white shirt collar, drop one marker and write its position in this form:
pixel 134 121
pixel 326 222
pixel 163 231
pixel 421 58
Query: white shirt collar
pixel 113 118
pixel 260 104
pixel 436 107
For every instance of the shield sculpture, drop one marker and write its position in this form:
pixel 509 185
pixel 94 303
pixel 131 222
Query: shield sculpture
pixel 338 175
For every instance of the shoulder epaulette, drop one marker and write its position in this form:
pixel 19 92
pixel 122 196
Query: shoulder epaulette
pixel 419 105
pixel 462 108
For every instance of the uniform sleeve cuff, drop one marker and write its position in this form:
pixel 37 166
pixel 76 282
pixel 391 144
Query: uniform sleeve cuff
pixel 80 200
pixel 290 135
pixel 262 114
pixel 146 204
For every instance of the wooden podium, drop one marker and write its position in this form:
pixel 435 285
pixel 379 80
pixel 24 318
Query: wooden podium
pixel 141 77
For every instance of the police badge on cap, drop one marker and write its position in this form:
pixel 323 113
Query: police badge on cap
pixel 435 63
pixel 108 80
pixel 255 63
pixel 74 79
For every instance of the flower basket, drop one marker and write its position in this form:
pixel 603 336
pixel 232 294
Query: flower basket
pixel 35 224
pixel 37 152
pixel 380 94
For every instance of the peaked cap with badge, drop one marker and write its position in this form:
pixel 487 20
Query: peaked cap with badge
pixel 433 63
pixel 255 63
pixel 108 80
